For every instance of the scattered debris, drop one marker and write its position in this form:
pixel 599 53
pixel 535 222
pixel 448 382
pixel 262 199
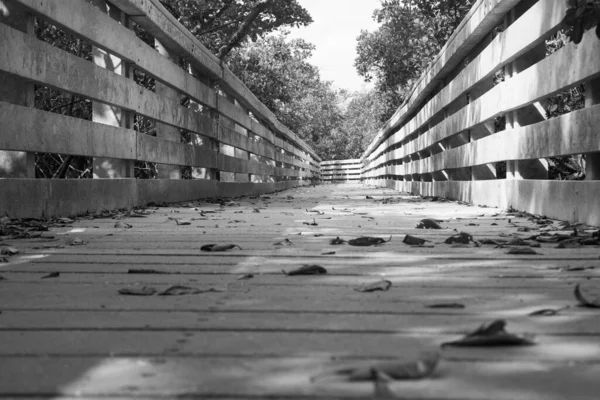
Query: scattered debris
pixel 428 223
pixel 368 241
pixel 9 251
pixel 414 241
pixel 76 241
pixel 446 305
pixel 307 269
pixel 337 240
pixel 329 253
pixel 51 275
pixel 492 334
pixel 315 212
pixel 123 225
pixel 546 312
pixel 284 242
pixel 314 223
pixel 419 368
pixel 526 251
pixel 182 223
pixel 382 285
pixel 219 247
pixel 245 277
pixel 178 290
pixel 459 238
pixel 584 301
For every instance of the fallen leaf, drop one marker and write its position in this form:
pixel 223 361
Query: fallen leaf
pixel 381 390
pixel 460 238
pixel 428 223
pixel 382 285
pixel 307 269
pixel 9 251
pixel 76 241
pixel 420 368
pixel 51 275
pixel 145 271
pixel 124 225
pixel 527 251
pixel 315 212
pixel 3 260
pixel 337 240
pixel 183 223
pixel 368 241
pixel 284 242
pixel 492 334
pixel 314 223
pixel 144 291
pixel 245 276
pixel 219 247
pixel 369 198
pixel 178 290
pixel 446 305
pixel 413 240
pixel 329 253
pixel 574 268
pixel 66 220
pixel 585 302
pixel 546 312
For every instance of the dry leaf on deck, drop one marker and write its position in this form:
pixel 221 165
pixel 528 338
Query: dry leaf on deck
pixel 369 198
pixel 145 271
pixel 584 301
pixel 413 240
pixel 315 212
pixel 428 223
pixel 460 238
pixel 329 253
pixel 178 290
pixel 527 251
pixel 245 277
pixel 123 225
pixel 547 312
pixel 419 368
pixel 219 247
pixel 66 220
pixel 367 241
pixel 383 285
pixel 381 390
pixel 314 223
pixel 9 251
pixel 76 241
pixel 51 275
pixel 492 334
pixel 183 223
pixel 284 242
pixel 337 240
pixel 143 291
pixel 307 269
pixel 446 305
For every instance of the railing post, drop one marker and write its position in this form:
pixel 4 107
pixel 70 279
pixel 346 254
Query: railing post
pixel 109 115
pixel 17 164
pixel 592 160
pixel 163 130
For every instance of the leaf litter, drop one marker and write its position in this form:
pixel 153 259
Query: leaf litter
pixel 382 285
pixel 586 301
pixel 419 368
pixel 9 251
pixel 547 312
pixel 337 240
pixel 219 247
pixel 368 241
pixel 51 275
pixel 446 305
pixel 414 241
pixel 429 223
pixel 490 335
pixel 307 269
pixel 284 242
pixel 460 238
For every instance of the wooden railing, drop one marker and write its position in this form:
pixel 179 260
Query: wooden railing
pixel 475 126
pixel 234 143
pixel 341 171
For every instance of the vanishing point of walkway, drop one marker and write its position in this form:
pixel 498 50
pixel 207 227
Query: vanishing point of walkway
pixel 252 332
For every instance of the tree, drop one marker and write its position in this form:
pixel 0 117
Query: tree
pixel 222 25
pixel 411 34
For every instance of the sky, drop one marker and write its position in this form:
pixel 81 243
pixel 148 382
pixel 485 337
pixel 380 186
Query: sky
pixel 337 24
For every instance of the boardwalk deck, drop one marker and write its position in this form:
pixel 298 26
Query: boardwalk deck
pixel 75 336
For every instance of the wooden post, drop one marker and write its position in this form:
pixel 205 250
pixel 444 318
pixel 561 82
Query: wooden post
pixel 14 90
pixel 163 130
pixel 592 160
pixel 109 115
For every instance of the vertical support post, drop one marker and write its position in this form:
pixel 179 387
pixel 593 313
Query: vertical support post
pixel 592 160
pixel 109 115
pixel 14 90
pixel 163 130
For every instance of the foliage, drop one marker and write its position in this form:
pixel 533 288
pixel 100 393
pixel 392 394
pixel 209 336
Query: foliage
pixel 582 15
pixel 218 23
pixel 411 34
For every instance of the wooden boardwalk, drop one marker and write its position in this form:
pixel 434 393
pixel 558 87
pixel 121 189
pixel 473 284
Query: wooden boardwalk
pixel 75 336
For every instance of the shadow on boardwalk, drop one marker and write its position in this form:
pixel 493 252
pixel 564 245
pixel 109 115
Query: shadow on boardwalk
pixel 265 336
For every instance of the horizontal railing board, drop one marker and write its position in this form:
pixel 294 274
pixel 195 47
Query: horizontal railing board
pixel 27 129
pixel 527 32
pixel 104 32
pixel 480 20
pixel 37 198
pixel 540 81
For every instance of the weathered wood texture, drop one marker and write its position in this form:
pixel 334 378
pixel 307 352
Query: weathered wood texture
pixel 454 133
pixel 341 171
pixel 261 146
pixel 265 337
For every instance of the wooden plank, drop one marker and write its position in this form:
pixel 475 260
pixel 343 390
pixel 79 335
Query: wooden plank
pixel 153 149
pixel 22 130
pixel 285 377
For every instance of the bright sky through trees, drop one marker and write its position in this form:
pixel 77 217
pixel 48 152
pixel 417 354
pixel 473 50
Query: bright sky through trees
pixel 337 24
